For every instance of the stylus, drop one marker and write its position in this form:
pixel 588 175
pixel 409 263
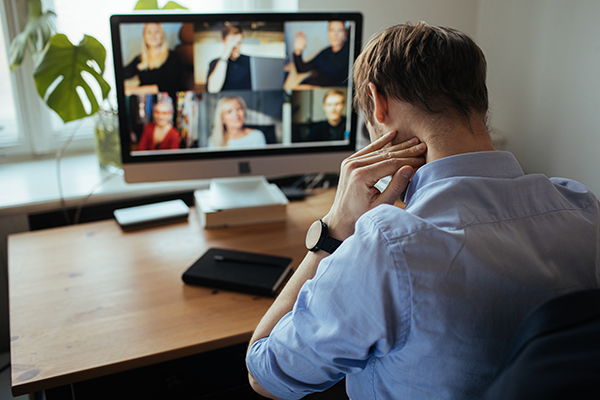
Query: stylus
pixel 241 260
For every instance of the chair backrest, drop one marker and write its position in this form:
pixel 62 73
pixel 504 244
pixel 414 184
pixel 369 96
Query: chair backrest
pixel 554 353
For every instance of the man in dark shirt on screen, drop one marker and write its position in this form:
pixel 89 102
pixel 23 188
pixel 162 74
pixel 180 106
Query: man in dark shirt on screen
pixel 330 66
pixel 334 127
pixel 231 71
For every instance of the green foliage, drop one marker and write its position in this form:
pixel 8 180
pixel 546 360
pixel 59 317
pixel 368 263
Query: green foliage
pixel 65 62
pixel 153 5
pixel 35 36
pixel 58 60
pixel 171 5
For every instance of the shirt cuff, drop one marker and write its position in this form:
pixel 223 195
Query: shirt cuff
pixel 258 365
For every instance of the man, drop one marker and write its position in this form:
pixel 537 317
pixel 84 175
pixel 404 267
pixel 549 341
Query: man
pixel 330 66
pixel 334 126
pixel 421 302
pixel 231 71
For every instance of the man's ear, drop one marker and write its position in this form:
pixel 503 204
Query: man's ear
pixel 380 104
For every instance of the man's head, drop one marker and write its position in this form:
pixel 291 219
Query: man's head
pixel 440 71
pixel 333 106
pixel 336 33
pixel 234 34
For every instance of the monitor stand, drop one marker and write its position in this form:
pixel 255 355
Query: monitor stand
pixel 238 201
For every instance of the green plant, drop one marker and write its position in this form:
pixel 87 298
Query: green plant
pixel 59 66
pixel 153 5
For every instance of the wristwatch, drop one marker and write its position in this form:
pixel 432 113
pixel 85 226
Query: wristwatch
pixel 317 238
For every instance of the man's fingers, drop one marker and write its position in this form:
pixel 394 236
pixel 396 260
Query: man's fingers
pixel 411 147
pixel 392 152
pixel 369 173
pixel 376 145
pixel 411 154
pixel 397 184
pixel 402 157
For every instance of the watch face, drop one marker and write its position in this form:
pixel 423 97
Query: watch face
pixel 313 235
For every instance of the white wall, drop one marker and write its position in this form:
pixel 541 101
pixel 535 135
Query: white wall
pixel 380 14
pixel 543 71
pixel 544 83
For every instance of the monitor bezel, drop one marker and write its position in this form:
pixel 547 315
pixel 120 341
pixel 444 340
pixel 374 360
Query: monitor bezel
pixel 135 165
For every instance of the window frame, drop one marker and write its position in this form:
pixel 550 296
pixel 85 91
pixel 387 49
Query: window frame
pixel 37 137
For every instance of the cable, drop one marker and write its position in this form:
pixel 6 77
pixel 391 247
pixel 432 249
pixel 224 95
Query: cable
pixel 98 185
pixel 4 368
pixel 59 154
pixel 63 204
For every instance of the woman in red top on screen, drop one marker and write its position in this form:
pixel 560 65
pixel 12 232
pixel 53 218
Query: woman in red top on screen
pixel 160 134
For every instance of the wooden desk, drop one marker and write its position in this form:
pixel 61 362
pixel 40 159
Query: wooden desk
pixel 90 300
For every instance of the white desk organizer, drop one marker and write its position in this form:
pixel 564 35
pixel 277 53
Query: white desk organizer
pixel 239 201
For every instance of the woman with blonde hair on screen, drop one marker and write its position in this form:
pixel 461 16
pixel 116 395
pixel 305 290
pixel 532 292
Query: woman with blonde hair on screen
pixel 229 128
pixel 156 69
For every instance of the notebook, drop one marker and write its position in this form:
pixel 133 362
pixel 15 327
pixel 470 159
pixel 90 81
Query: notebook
pixel 245 272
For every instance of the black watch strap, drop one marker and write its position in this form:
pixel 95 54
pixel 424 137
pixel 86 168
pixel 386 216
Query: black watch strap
pixel 326 242
pixel 330 244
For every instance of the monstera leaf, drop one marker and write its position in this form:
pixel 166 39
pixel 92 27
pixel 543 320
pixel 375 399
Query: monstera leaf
pixel 153 5
pixel 61 70
pixel 35 36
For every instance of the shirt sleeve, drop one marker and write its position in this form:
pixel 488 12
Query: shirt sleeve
pixel 146 140
pixel 131 70
pixel 302 66
pixel 173 139
pixel 173 70
pixel 354 309
pixel 211 67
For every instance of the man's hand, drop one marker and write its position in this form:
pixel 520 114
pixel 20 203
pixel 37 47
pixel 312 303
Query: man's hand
pixel 299 43
pixel 356 192
pixel 355 195
pixel 231 41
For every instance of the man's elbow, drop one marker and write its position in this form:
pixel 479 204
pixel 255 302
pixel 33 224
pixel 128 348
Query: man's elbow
pixel 258 388
pixel 211 88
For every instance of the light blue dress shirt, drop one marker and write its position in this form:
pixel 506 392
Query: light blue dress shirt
pixel 420 303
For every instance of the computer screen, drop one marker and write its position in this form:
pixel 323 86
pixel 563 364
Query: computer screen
pixel 225 95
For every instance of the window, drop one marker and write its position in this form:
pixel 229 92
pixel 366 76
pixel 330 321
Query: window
pixel 20 134
pixel 9 131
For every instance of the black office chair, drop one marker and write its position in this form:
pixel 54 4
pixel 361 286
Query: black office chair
pixel 555 352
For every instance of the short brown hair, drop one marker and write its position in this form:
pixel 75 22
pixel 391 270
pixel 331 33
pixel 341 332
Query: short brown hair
pixel 433 68
pixel 230 29
pixel 333 92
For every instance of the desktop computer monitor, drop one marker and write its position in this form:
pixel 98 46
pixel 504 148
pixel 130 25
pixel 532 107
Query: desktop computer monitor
pixel 228 95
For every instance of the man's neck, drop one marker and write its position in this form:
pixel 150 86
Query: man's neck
pixel 334 122
pixel 446 137
pixel 460 138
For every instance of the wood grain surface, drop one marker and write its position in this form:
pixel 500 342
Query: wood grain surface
pixel 91 300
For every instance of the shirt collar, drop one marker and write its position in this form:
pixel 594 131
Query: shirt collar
pixel 485 164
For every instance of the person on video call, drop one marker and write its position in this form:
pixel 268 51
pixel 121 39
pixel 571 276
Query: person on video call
pixel 421 302
pixel 231 71
pixel 334 126
pixel 229 128
pixel 160 134
pixel 330 66
pixel 157 68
